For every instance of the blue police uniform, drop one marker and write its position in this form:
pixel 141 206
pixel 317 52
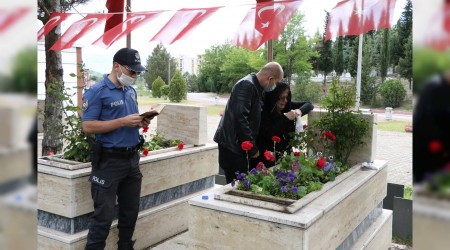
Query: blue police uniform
pixel 115 164
pixel 105 101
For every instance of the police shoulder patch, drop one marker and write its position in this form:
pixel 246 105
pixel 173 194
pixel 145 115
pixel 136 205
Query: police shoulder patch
pixel 85 105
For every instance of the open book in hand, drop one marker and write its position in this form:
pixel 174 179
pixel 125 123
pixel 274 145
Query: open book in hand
pixel 154 111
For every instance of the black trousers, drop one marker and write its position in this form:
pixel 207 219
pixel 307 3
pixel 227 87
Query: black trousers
pixel 114 176
pixel 231 163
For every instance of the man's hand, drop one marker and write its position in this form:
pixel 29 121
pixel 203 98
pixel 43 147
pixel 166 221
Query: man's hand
pixel 145 122
pixel 132 120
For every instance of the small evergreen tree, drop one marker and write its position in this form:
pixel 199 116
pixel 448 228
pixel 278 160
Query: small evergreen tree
pixel 177 88
pixel 393 93
pixel 156 87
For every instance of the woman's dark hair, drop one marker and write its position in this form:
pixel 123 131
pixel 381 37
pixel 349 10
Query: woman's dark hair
pixel 273 96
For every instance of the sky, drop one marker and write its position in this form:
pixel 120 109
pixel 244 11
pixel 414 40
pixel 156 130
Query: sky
pixel 216 30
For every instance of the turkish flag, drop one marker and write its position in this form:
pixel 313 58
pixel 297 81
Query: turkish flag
pixel 55 19
pixel 7 18
pixel 247 36
pixel 182 23
pixel 78 29
pixel 263 23
pixel 133 22
pixel 359 16
pixel 447 16
pixel 114 6
pixel 438 36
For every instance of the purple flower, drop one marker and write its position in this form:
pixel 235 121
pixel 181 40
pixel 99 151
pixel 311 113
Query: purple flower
pixel 233 183
pixel 240 176
pixel 247 183
pixel 254 171
pixel 329 166
pixel 294 190
pixel 291 177
pixel 284 189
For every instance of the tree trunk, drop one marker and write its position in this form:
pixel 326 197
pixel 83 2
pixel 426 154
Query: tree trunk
pixel 54 86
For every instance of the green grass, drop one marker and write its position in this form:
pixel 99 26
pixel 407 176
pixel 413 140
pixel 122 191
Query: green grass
pixel 396 126
pixel 149 101
pixel 407 193
pixel 214 110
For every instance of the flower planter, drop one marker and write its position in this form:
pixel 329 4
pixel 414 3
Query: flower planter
pixel 346 216
pixel 170 178
pixel 229 193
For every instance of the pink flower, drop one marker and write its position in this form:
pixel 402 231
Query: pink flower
pixel 50 153
pixel 260 166
pixel 269 156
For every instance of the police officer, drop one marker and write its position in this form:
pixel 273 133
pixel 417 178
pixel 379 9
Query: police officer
pixel 110 111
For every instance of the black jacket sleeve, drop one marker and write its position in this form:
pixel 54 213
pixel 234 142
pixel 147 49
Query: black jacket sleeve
pixel 305 107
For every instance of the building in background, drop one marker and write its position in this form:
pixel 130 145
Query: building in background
pixel 189 64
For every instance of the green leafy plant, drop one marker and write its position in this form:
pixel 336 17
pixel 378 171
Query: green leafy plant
pixel 177 88
pixel 393 93
pixel 78 144
pixel 165 91
pixel 156 87
pixel 348 126
pixel 157 141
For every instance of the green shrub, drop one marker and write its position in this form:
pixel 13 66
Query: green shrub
pixel 165 91
pixel 349 127
pixel 156 87
pixel 177 88
pixel 307 91
pixel 393 93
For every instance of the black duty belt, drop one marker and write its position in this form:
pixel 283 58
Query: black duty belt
pixel 121 150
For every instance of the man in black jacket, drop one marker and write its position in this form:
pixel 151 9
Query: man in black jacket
pixel 241 119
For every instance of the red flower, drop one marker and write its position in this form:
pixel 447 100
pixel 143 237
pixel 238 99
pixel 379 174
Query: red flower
pixel 296 153
pixel 50 153
pixel 305 126
pixel 276 139
pixel 180 146
pixel 269 156
pixel 145 151
pixel 435 146
pixel 144 129
pixel 260 166
pixel 246 145
pixel 328 135
pixel 321 162
pixel 331 136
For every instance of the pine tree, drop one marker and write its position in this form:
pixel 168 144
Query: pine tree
pixel 325 62
pixel 177 88
pixel 384 59
pixel 405 63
